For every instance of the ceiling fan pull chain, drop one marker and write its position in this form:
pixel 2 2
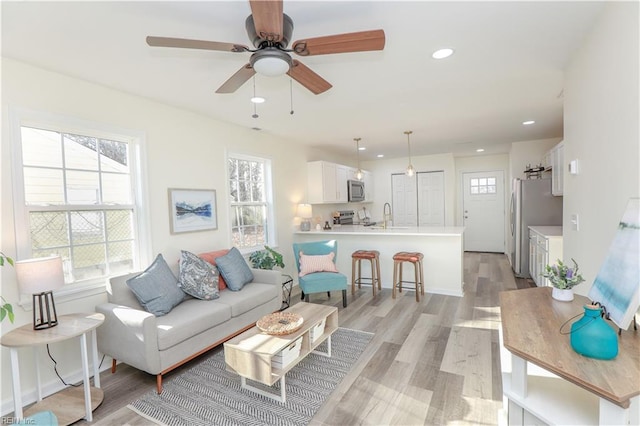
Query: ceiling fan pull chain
pixel 255 107
pixel 291 94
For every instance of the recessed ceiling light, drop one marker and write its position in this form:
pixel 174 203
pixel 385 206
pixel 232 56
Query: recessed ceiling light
pixel 257 100
pixel 528 122
pixel 442 53
pixel 362 148
pixel 480 150
pixel 380 155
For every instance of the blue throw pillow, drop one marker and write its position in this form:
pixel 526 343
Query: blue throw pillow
pixel 157 288
pixel 234 270
pixel 198 277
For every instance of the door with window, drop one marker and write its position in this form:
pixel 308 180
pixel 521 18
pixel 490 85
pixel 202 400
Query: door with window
pixel 483 211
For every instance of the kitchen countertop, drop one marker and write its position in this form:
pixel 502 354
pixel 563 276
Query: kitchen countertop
pixel 548 231
pixel 393 230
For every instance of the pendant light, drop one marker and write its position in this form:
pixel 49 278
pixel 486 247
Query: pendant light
pixel 359 173
pixel 410 171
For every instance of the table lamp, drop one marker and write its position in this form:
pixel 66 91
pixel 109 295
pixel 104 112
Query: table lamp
pixel 39 277
pixel 304 212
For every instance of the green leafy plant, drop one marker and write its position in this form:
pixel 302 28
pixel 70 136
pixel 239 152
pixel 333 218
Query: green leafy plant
pixel 6 309
pixel 266 259
pixel 562 276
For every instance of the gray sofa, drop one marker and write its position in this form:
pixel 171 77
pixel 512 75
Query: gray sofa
pixel 157 345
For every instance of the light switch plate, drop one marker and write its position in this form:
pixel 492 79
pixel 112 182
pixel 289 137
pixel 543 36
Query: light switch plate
pixel 573 167
pixel 575 222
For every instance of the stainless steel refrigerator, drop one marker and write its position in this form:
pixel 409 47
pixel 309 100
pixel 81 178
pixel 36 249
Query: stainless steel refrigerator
pixel 531 204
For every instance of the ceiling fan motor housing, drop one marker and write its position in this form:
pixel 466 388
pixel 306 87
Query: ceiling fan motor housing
pixel 257 40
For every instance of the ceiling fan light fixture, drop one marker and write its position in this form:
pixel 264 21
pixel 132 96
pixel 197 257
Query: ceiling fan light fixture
pixel 442 53
pixel 270 62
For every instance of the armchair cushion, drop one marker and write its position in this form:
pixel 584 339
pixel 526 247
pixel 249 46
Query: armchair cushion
pixel 157 288
pixel 317 263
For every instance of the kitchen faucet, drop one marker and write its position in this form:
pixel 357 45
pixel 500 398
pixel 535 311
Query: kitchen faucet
pixel 386 216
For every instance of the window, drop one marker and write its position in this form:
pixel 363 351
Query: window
pixel 77 199
pixel 251 202
pixel 483 185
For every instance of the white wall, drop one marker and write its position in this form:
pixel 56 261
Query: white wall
pixel 601 132
pixel 184 150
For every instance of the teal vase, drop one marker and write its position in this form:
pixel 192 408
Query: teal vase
pixel 591 336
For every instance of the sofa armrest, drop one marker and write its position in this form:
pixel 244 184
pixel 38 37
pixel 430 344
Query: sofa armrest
pixel 266 276
pixel 129 335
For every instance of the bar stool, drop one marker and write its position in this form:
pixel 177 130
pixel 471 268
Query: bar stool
pixel 398 260
pixel 356 258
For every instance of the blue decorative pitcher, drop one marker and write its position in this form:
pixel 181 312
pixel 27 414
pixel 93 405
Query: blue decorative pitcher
pixel 591 336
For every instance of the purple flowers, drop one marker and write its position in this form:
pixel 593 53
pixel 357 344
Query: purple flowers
pixel 562 276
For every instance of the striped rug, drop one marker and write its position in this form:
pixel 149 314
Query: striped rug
pixel 208 394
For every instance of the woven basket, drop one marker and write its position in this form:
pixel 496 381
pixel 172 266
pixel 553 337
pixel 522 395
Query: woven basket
pixel 280 323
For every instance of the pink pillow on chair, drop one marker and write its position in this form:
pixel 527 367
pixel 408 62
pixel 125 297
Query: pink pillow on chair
pixel 317 263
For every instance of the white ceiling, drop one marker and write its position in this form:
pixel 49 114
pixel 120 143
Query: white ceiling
pixel 507 66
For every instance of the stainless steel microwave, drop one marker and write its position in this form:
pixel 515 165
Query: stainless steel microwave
pixel 355 190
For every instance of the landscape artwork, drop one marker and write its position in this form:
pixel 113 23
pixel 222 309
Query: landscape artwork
pixel 617 285
pixel 192 210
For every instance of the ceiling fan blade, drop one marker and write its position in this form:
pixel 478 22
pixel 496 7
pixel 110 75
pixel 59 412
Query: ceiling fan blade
pixel 309 79
pixel 362 41
pixel 236 80
pixel 195 44
pixel 267 18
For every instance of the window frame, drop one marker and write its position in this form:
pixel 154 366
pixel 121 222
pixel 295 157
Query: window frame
pixel 271 239
pixel 19 118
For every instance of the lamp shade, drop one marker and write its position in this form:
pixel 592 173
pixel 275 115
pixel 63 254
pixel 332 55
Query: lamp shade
pixel 40 274
pixel 304 211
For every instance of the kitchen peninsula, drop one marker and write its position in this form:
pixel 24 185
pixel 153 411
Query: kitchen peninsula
pixel 442 248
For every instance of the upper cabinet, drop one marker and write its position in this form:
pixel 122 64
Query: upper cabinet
pixel 327 182
pixel 557 169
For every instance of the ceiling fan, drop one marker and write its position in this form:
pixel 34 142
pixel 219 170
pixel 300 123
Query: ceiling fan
pixel 269 30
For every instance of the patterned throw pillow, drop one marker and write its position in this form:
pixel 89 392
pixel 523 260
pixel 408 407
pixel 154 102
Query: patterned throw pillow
pixel 317 263
pixel 157 288
pixel 198 278
pixel 234 269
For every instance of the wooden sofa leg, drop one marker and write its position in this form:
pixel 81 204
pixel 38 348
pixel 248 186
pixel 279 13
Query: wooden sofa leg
pixel 344 298
pixel 113 366
pixel 159 383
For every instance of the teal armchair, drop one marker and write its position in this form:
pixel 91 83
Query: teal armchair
pixel 319 282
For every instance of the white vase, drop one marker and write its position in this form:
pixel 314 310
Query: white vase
pixel 563 295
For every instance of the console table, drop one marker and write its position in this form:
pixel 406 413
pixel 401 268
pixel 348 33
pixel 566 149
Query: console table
pixel 543 378
pixel 67 404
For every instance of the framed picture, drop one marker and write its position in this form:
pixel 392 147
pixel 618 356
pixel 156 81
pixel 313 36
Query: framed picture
pixel 617 285
pixel 192 210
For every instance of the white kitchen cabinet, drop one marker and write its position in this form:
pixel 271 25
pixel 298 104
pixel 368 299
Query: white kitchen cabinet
pixel 557 169
pixel 545 248
pixel 327 182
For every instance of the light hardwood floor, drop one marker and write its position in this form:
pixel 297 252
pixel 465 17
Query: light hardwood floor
pixel 433 362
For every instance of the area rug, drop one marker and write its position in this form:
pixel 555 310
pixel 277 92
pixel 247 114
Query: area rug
pixel 208 394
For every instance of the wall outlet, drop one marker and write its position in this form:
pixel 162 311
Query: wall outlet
pixel 575 222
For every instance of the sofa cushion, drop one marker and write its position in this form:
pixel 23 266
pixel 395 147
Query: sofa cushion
pixel 211 257
pixel 156 288
pixel 251 296
pixel 234 269
pixel 198 278
pixel 188 319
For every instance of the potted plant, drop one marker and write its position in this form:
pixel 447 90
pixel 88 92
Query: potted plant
pixel 6 310
pixel 266 259
pixel 563 278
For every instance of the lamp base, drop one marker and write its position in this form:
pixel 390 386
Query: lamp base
pixel 305 225
pixel 43 308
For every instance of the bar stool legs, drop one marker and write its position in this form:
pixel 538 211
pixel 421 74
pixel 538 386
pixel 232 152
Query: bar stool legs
pixel 416 259
pixel 356 262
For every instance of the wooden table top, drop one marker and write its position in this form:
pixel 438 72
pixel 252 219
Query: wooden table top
pixel 69 326
pixel 531 321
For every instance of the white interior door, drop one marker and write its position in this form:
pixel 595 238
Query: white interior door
pixel 431 198
pixel 404 200
pixel 483 211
